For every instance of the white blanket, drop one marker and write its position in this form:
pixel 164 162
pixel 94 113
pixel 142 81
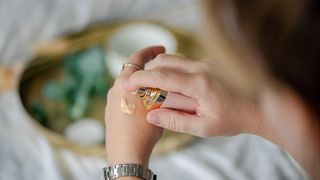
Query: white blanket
pixel 25 154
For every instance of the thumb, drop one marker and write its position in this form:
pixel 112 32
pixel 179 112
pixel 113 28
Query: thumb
pixel 174 120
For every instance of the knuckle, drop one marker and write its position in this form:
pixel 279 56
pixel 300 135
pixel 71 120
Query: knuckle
pixel 157 61
pixel 149 65
pixel 172 123
pixel 202 66
pixel 160 57
pixel 133 78
pixel 163 75
pixel 202 80
pixel 205 80
pixel 135 75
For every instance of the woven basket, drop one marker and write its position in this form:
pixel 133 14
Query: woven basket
pixel 48 56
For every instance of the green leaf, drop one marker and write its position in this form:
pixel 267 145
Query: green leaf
pixel 54 90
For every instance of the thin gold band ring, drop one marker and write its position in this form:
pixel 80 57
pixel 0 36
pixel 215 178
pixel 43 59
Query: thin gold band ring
pixel 131 65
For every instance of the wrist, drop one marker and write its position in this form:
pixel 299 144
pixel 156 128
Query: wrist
pixel 130 146
pixel 128 171
pixel 127 157
pixel 120 152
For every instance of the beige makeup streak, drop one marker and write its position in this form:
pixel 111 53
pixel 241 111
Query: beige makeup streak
pixel 127 108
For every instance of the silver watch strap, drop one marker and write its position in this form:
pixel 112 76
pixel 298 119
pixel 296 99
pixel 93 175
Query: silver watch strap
pixel 133 170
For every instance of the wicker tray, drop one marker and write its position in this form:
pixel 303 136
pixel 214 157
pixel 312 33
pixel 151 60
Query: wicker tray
pixel 45 64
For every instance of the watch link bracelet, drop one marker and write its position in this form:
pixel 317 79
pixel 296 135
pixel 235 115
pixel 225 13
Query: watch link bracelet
pixel 133 170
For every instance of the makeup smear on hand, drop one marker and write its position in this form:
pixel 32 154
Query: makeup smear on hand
pixel 127 108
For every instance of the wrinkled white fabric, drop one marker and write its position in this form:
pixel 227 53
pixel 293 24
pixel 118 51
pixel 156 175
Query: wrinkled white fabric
pixel 26 154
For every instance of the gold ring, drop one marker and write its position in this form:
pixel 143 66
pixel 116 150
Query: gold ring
pixel 131 65
pixel 152 98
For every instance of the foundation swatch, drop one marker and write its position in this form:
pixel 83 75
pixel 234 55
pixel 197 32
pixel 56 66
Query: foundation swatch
pixel 127 108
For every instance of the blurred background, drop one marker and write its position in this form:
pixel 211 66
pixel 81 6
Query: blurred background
pixel 57 60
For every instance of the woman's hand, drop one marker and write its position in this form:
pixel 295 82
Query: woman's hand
pixel 218 113
pixel 129 138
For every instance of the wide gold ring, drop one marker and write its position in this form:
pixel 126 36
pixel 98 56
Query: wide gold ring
pixel 125 65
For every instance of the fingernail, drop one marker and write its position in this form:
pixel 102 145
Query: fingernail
pixel 154 119
pixel 134 92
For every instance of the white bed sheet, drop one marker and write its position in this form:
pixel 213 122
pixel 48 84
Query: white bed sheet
pixel 26 154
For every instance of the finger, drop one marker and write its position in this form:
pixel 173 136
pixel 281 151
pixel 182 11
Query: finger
pixel 174 120
pixel 140 58
pixel 180 102
pixel 164 79
pixel 168 61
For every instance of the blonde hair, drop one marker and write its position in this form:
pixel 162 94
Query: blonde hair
pixel 260 42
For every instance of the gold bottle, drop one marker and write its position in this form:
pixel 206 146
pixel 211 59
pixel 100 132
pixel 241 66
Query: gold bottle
pixel 152 98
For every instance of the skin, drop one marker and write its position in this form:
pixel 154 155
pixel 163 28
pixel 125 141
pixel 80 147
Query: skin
pixel 289 123
pixel 129 138
pixel 280 115
pixel 127 108
pixel 218 111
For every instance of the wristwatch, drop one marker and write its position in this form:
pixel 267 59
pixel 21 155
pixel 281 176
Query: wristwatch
pixel 133 170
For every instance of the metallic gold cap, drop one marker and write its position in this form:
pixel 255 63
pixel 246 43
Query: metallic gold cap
pixel 152 97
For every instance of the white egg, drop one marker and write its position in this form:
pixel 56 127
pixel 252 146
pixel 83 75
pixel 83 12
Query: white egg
pixel 86 132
